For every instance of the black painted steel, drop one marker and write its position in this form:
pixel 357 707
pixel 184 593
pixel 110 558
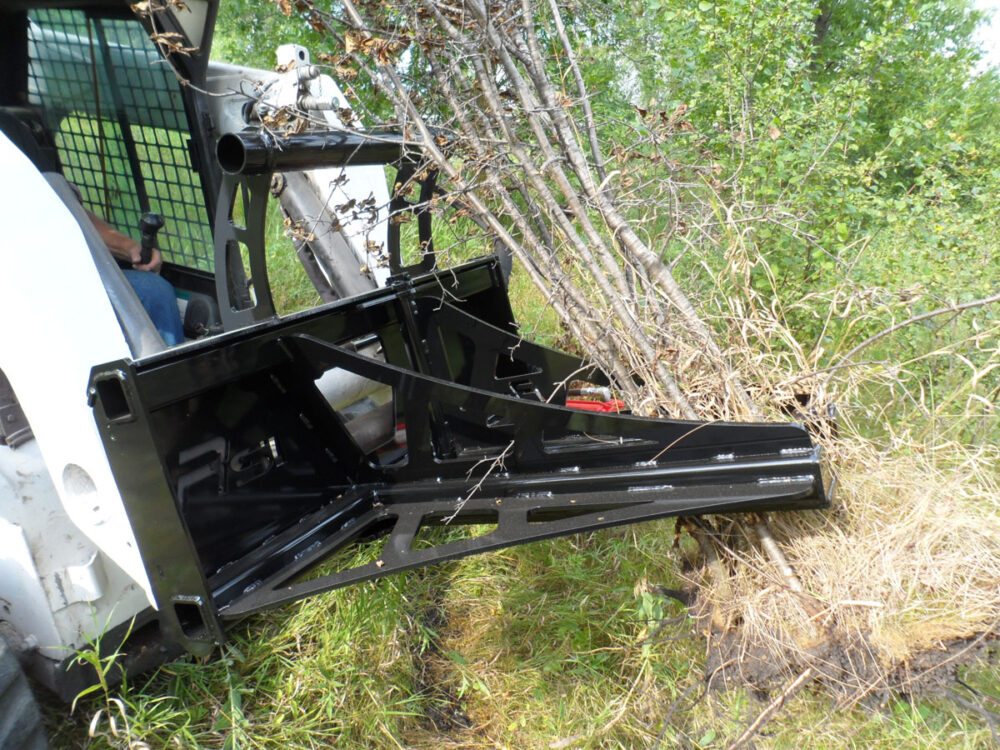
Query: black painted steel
pixel 242 480
pixel 243 299
pixel 248 461
pixel 257 151
pixel 399 205
pixel 250 157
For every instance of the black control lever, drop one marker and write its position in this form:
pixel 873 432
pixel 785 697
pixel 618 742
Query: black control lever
pixel 149 225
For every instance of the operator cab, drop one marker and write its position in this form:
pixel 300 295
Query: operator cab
pixel 104 115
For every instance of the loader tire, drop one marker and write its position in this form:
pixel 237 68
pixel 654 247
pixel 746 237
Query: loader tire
pixel 20 720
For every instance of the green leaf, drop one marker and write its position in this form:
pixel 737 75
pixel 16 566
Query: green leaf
pixel 456 657
pixel 83 693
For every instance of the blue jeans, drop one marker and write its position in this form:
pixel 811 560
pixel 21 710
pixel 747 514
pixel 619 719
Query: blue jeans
pixel 157 296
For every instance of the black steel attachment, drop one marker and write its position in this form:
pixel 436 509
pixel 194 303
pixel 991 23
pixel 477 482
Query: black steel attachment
pixel 249 158
pixel 252 463
pixel 256 151
pixel 409 176
pixel 246 477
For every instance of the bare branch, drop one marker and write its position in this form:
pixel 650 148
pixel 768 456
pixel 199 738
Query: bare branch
pixel 917 319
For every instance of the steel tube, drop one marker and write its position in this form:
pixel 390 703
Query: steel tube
pixel 258 152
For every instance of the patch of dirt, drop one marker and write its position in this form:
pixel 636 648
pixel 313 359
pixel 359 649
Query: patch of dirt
pixel 444 712
pixel 845 665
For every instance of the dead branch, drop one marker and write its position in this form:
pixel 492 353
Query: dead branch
pixel 917 319
pixel 532 172
pixel 764 716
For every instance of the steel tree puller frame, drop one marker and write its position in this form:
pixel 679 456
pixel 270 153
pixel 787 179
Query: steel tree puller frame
pixel 240 477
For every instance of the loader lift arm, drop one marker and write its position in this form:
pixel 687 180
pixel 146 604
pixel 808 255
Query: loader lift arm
pixel 241 478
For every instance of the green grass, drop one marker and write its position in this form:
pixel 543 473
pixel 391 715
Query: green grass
pixel 291 288
pixel 522 648
pixel 538 320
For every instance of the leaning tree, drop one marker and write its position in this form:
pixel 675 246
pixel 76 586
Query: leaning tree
pixel 493 97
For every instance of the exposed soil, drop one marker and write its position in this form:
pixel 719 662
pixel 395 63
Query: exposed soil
pixel 845 666
pixel 444 711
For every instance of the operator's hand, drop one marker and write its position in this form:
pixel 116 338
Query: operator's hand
pixel 155 259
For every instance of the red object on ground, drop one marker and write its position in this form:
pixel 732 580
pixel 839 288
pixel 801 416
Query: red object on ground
pixel 607 406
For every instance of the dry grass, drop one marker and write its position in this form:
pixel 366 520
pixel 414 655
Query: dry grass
pixel 904 565
pixel 901 576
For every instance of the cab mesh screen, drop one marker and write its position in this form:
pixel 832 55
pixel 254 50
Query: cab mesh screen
pixel 115 111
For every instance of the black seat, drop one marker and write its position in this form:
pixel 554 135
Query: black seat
pixel 23 126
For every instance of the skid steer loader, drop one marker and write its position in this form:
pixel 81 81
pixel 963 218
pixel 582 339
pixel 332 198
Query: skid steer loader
pixel 169 492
